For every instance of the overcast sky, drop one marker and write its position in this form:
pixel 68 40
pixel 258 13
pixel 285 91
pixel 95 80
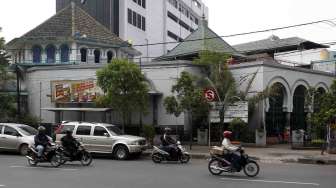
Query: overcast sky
pixel 226 17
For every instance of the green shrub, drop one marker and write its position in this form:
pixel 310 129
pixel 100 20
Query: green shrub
pixel 149 132
pixel 239 128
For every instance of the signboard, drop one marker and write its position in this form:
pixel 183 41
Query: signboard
pixel 210 94
pixel 236 110
pixel 75 91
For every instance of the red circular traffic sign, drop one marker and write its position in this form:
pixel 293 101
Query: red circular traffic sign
pixel 210 94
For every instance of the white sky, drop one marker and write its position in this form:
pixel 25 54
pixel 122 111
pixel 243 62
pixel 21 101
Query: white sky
pixel 226 17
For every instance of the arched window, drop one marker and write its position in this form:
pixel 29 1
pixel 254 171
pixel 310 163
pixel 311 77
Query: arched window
pixel 51 53
pixel 64 53
pixel 37 51
pixel 83 52
pixel 109 56
pixel 96 56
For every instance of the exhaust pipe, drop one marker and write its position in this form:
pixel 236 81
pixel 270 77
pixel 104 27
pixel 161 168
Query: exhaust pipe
pixel 30 158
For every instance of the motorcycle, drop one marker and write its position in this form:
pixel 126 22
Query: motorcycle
pixel 81 155
pixel 159 155
pixel 220 162
pixel 50 155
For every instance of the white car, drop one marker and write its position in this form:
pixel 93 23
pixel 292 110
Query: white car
pixel 103 138
pixel 16 137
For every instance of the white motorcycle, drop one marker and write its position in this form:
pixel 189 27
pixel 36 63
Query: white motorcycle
pixel 159 155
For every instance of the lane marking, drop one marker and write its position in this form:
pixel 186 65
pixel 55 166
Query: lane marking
pixel 51 168
pixel 2 185
pixel 272 181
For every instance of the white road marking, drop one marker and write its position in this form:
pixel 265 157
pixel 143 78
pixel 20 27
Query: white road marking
pixel 2 185
pixel 272 181
pixel 51 168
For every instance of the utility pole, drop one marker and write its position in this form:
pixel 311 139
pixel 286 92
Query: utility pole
pixel 18 92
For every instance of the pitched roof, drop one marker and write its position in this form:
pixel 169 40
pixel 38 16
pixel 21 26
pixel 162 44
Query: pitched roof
pixel 275 44
pixel 202 39
pixel 73 23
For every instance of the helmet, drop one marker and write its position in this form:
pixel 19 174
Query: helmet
pixel 167 130
pixel 227 134
pixel 41 129
pixel 68 132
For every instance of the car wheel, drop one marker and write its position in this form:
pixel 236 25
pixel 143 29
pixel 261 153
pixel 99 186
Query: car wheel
pixel 24 149
pixel 121 152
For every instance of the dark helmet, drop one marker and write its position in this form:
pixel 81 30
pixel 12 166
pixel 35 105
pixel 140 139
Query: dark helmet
pixel 68 132
pixel 41 129
pixel 167 130
pixel 227 134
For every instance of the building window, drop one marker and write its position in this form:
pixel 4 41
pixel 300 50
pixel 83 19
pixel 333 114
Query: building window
pixel 173 2
pixel 51 53
pixel 173 17
pixel 129 15
pixel 96 56
pixel 140 3
pixel 184 25
pixel 109 56
pixel 37 52
pixel 143 3
pixel 64 53
pixel 137 20
pixel 143 24
pixel 83 52
pixel 174 36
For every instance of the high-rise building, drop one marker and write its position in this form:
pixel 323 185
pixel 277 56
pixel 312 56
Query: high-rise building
pixel 143 22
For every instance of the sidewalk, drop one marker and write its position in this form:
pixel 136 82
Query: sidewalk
pixel 272 154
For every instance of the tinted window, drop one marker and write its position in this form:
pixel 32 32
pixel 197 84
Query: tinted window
pixel 27 130
pixel 10 131
pixel 83 130
pixel 114 130
pixel 99 131
pixel 1 129
pixel 67 127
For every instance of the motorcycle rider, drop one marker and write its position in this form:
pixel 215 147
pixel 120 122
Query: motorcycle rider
pixel 69 143
pixel 168 143
pixel 41 141
pixel 234 150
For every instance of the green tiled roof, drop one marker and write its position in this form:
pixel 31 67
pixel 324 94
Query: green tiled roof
pixel 193 44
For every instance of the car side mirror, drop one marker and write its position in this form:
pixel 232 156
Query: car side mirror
pixel 106 134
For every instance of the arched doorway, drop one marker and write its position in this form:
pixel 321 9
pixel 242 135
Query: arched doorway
pixel 276 117
pixel 64 53
pixel 83 53
pixel 298 118
pixel 37 54
pixel 109 56
pixel 51 53
pixel 96 56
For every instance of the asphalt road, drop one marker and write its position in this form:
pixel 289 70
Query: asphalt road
pixel 142 173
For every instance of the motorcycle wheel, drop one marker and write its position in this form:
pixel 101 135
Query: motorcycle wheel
pixel 157 158
pixel 185 158
pixel 56 160
pixel 86 158
pixel 251 169
pixel 213 166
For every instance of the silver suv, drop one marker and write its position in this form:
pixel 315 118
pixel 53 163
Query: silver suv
pixel 16 137
pixel 103 138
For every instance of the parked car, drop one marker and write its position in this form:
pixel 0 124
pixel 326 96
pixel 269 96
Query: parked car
pixel 103 138
pixel 16 137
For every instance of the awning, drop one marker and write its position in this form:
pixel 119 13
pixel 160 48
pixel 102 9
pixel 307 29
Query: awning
pixel 78 109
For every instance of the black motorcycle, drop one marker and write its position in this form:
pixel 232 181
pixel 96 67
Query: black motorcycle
pixel 220 162
pixel 81 155
pixel 50 155
pixel 159 155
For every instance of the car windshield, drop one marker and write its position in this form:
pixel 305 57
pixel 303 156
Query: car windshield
pixel 114 130
pixel 27 130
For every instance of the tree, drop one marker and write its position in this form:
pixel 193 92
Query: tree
pixel 125 88
pixel 7 108
pixel 326 112
pixel 188 97
pixel 219 77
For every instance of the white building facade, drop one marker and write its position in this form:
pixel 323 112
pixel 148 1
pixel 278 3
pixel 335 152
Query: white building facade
pixel 144 22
